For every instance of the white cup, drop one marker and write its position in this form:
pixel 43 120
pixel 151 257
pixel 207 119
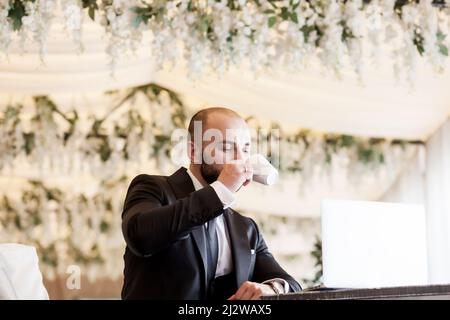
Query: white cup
pixel 263 171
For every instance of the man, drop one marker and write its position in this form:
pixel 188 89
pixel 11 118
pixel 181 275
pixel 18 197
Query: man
pixel 183 239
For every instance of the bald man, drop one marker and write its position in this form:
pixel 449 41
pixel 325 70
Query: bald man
pixel 183 239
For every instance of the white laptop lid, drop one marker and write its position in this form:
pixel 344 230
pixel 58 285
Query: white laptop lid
pixel 373 244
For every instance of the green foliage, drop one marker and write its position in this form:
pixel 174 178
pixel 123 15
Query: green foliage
pixel 443 49
pixel 346 32
pixel 418 41
pixel 284 13
pixel 16 12
pixel 34 199
pixel 316 253
pixel 272 21
pixel 146 12
pixel 91 6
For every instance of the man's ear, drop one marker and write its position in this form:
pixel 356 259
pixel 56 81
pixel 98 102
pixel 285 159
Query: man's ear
pixel 190 150
pixel 194 152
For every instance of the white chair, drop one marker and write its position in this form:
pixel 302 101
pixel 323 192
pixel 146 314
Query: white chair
pixel 20 277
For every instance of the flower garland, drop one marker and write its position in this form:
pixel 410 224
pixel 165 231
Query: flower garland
pixel 62 143
pixel 68 228
pixel 138 130
pixel 218 34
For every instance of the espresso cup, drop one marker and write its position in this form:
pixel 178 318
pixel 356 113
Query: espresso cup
pixel 263 171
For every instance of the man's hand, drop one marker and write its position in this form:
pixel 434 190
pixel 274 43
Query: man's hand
pixel 236 174
pixel 252 291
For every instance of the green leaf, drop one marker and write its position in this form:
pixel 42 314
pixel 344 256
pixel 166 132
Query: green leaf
pixel 105 150
pixel 441 36
pixel 272 20
pixel 271 2
pixel 420 49
pixel 137 21
pixel 366 155
pixel 294 17
pixel 143 15
pixel 418 42
pixel 307 31
pixel 104 226
pixel 17 24
pixel 442 47
pixel 269 11
pixel 16 13
pixel 87 3
pixel 203 25
pixel 91 13
pixel 443 50
pixel 285 13
pixel 30 142
pixel 347 141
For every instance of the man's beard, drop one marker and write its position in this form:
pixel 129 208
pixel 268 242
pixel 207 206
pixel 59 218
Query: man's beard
pixel 209 173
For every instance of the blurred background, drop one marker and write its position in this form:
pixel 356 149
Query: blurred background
pixel 91 91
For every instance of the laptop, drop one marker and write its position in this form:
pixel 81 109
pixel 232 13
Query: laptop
pixel 373 244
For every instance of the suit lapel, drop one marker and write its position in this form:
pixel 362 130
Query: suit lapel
pixel 181 183
pixel 182 187
pixel 240 246
pixel 199 237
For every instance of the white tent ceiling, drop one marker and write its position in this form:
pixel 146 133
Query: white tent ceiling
pixel 307 100
pixel 314 101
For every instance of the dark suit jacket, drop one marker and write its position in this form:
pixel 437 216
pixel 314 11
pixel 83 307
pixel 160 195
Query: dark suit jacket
pixel 165 257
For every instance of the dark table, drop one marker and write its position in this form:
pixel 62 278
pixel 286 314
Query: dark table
pixel 434 292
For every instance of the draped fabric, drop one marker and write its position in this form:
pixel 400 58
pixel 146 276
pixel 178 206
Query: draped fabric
pixel 426 180
pixel 438 204
pixel 410 185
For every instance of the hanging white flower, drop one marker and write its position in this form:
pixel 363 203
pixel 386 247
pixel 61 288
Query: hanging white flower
pixel 220 34
pixel 73 19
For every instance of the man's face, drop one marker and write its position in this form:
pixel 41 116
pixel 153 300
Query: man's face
pixel 225 138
